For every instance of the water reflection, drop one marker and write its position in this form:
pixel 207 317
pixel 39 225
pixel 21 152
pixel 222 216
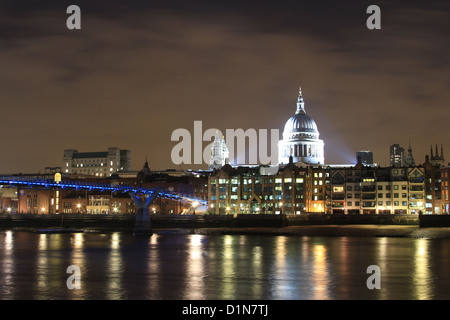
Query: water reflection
pixel 227 267
pixel 114 269
pixel 7 265
pixel 422 281
pixel 118 266
pixel 195 267
pixel 321 273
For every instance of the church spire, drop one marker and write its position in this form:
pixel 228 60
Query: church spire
pixel 410 159
pixel 300 102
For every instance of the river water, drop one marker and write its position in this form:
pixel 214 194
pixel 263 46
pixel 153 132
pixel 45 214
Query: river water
pixel 210 267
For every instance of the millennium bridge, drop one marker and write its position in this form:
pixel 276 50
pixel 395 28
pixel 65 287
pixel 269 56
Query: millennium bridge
pixel 142 196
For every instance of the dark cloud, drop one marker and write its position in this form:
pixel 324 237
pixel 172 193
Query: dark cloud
pixel 141 69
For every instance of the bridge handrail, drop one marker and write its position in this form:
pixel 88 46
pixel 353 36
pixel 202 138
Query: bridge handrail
pixel 100 186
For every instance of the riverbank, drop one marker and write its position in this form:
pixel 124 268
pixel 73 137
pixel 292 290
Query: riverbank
pixel 321 231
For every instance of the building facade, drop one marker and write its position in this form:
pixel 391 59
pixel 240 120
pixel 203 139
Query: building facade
pixel 241 190
pixel 99 164
pixel 359 189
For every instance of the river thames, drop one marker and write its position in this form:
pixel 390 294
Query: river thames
pixel 117 266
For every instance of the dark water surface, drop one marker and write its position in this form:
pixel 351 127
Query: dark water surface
pixel 118 266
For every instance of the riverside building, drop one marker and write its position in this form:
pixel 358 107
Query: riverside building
pixel 99 164
pixel 303 184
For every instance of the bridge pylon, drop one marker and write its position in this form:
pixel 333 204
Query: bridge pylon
pixel 143 225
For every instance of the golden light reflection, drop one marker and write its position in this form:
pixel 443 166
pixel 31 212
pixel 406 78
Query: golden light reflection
pixel 195 269
pixel 42 263
pixel 114 269
pixel 78 259
pixel 78 240
pixel 422 277
pixel 153 267
pixel 257 269
pixel 282 284
pixel 228 268
pixel 381 261
pixel 320 273
pixel 7 266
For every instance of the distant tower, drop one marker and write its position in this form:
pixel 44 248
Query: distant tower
pixel 410 159
pixel 366 157
pixel 397 156
pixel 436 159
pixel 219 153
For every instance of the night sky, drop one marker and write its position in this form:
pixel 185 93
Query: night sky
pixel 138 70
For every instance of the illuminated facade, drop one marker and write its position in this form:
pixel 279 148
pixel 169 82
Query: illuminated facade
pixel 293 190
pixel 301 138
pixel 377 190
pixel 99 164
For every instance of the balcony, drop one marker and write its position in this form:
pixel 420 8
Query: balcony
pixel 338 197
pixel 368 188
pixel 368 204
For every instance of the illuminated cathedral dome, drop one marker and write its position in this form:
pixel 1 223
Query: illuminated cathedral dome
pixel 301 138
pixel 300 125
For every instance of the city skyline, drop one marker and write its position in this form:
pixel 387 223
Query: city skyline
pixel 135 73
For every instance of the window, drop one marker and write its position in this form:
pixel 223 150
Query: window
pixel 396 187
pixel 299 180
pixel 395 195
pixel 380 195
